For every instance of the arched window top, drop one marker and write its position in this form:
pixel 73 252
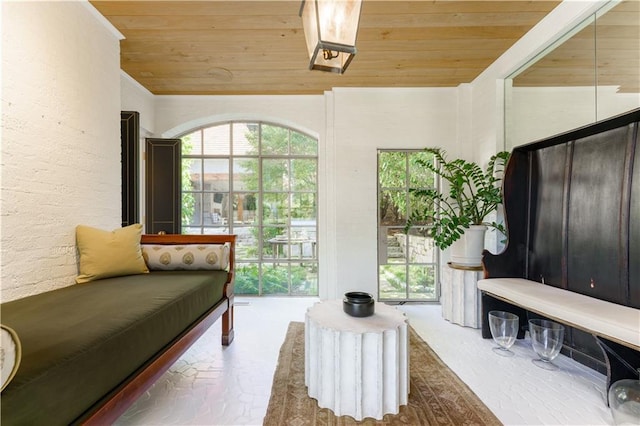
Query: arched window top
pixel 220 119
pixel 249 138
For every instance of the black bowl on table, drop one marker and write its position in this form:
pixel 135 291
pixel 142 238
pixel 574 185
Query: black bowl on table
pixel 358 304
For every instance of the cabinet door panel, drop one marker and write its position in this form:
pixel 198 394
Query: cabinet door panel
pixel 130 158
pixel 163 194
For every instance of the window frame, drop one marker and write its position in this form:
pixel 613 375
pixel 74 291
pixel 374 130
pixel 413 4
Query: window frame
pixel 292 254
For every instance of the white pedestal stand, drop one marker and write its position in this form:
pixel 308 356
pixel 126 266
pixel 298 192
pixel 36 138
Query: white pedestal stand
pixel 357 366
pixel 460 297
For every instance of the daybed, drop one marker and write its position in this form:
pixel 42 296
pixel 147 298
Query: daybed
pixel 90 349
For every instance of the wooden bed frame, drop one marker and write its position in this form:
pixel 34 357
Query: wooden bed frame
pixel 113 405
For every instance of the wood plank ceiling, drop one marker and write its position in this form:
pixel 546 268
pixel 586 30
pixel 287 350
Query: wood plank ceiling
pixel 258 47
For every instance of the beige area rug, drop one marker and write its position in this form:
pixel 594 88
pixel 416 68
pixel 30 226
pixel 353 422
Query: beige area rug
pixel 437 396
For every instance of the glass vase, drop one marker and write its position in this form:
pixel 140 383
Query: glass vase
pixel 624 401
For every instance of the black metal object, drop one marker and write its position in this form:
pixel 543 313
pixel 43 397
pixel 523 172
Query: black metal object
pixel 358 304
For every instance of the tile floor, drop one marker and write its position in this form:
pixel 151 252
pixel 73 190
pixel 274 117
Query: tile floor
pixel 216 385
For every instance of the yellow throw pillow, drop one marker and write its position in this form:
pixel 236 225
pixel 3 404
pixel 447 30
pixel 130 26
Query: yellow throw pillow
pixel 106 254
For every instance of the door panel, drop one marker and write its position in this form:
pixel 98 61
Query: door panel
pixel 163 194
pixel 130 158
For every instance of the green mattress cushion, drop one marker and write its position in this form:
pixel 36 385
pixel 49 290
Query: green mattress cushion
pixel 80 342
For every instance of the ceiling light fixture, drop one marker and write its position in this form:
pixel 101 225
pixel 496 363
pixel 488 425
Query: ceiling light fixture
pixel 330 28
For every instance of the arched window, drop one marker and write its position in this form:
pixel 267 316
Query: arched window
pixel 259 181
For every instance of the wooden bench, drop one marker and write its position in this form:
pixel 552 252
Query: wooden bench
pixel 572 210
pixel 616 328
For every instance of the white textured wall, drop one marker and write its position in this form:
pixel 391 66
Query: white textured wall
pixel 539 112
pixel 177 115
pixel 363 121
pixel 60 139
pixel 136 97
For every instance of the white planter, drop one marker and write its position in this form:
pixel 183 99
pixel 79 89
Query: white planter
pixel 467 251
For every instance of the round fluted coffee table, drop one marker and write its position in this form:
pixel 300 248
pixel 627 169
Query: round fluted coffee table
pixel 357 366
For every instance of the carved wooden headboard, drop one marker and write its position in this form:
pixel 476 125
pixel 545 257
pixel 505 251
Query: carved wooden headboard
pixel 572 208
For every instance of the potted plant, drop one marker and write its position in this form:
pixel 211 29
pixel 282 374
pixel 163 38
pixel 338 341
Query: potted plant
pixel 457 213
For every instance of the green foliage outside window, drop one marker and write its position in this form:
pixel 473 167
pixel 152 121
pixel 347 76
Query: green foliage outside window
pixel 393 165
pixel 247 279
pixel 188 199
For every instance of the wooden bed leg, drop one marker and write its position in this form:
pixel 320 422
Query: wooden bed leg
pixel 227 324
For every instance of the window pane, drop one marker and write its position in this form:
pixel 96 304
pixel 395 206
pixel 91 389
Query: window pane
pixel 275 175
pixel 418 205
pixel 275 208
pixel 304 280
pixel 303 144
pixel 216 140
pixel 191 230
pixel 393 207
pixel 275 243
pixel 247 278
pixel 303 241
pixel 392 169
pixel 419 175
pixel 421 248
pixel 275 140
pixel 215 230
pixel 394 250
pixel 216 175
pixel 422 282
pixel 215 208
pixel 245 139
pixel 303 174
pixel 191 208
pixel 244 208
pixel 245 174
pixel 300 245
pixel 192 143
pixel 275 279
pixel 393 282
pixel 247 242
pixel 192 174
pixel 303 208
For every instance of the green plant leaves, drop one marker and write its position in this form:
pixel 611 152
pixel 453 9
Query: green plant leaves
pixel 471 196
